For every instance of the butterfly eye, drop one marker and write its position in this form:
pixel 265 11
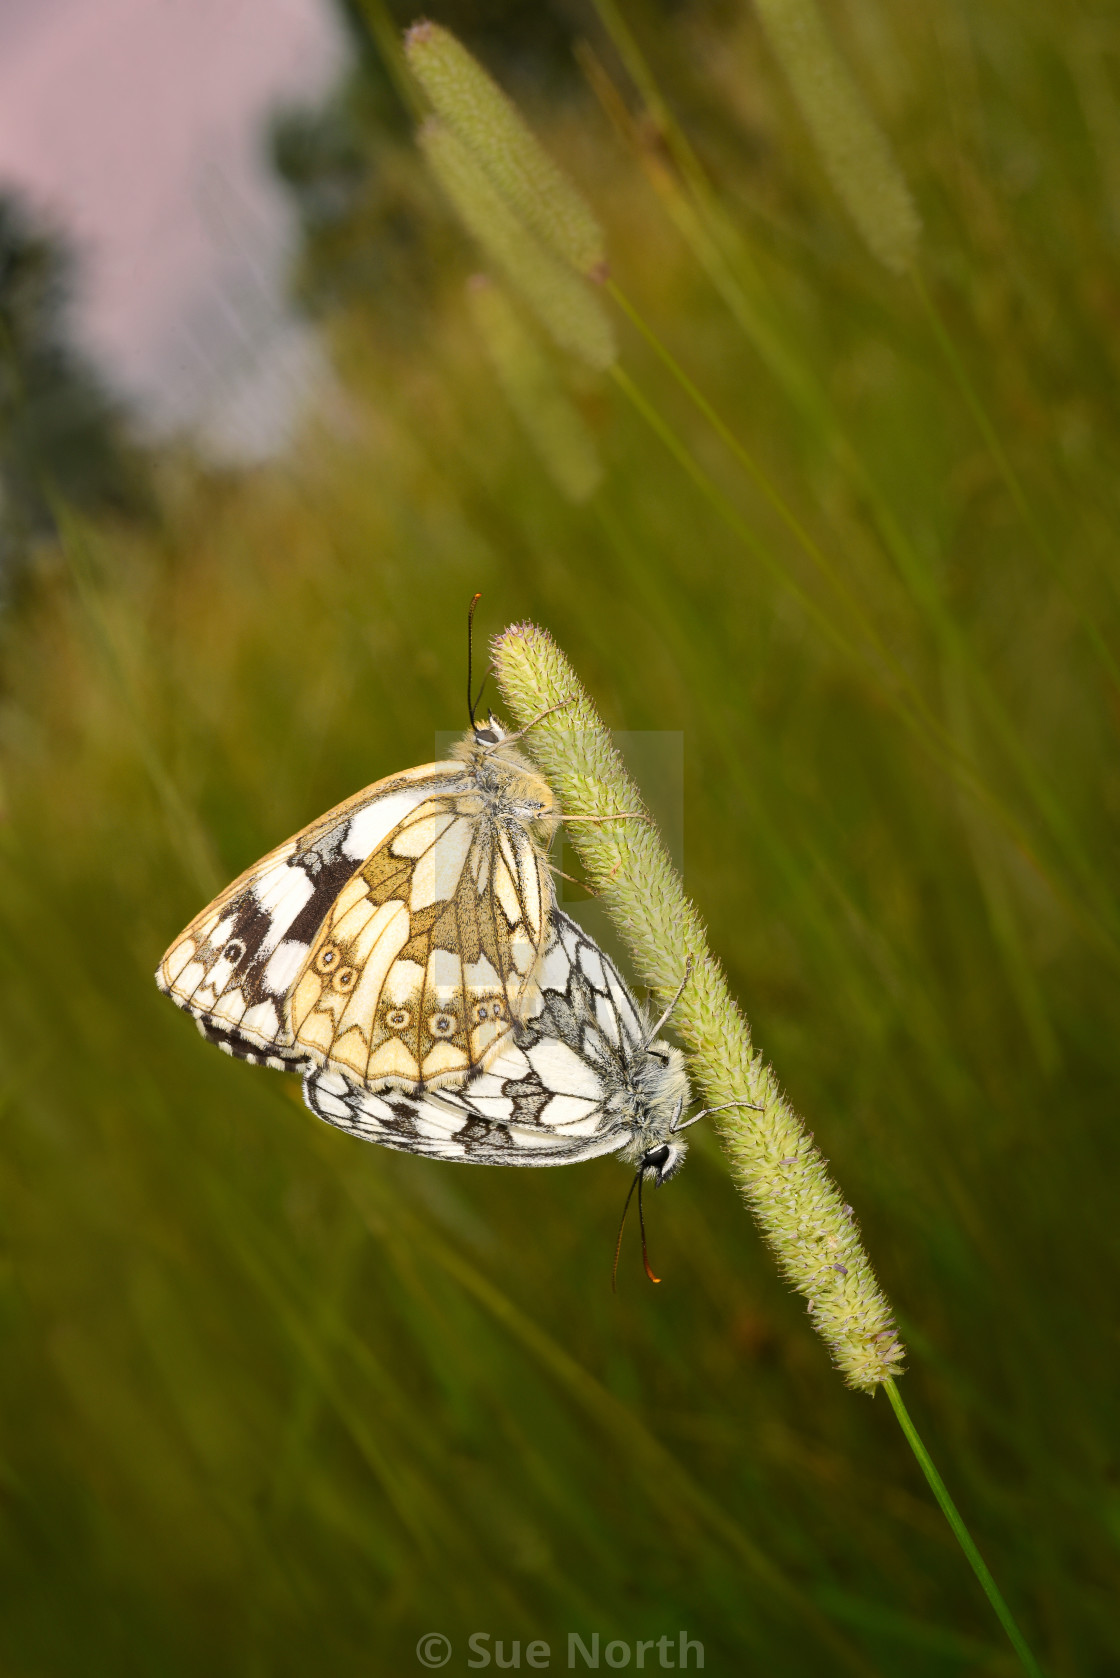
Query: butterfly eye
pixel 398 1019
pixel 328 958
pixel 442 1025
pixel 481 1012
pixel 344 978
pixel 233 951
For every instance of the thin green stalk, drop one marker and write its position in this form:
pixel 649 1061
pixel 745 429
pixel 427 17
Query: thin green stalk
pixel 727 511
pixel 386 37
pixel 987 430
pixel 639 71
pixel 961 1533
pixel 721 253
pixel 944 755
pixel 806 541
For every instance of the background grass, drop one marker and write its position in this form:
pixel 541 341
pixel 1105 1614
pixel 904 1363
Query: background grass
pixel 276 1402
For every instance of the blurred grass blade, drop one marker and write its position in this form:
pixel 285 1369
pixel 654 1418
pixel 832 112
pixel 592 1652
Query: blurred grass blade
pixel 546 414
pixel 850 143
pixel 564 303
pixel 473 105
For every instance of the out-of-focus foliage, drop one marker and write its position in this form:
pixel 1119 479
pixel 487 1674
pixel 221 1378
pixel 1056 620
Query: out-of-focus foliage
pixel 275 1402
pixel 62 436
pixel 368 231
pixel 370 238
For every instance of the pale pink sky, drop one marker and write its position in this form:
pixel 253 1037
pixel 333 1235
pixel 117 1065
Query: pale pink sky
pixel 137 126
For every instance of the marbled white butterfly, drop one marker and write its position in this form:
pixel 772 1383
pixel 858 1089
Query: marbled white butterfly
pixel 582 1074
pixel 395 940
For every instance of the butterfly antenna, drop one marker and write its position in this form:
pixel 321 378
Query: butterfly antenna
pixel 636 1184
pixel 642 1227
pixel 472 703
pixel 622 1226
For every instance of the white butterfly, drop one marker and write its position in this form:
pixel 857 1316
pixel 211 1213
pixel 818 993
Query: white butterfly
pixel 395 940
pixel 583 1076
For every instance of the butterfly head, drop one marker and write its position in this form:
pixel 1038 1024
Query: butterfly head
pixel 514 790
pixel 488 733
pixel 658 1165
pixel 650 1103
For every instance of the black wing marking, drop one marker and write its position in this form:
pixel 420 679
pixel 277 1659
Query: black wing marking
pixel 548 1099
pixel 451 1125
pixel 234 966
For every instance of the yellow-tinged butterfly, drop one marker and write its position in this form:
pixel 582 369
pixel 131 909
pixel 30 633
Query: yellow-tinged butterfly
pixel 406 954
pixel 396 939
pixel 583 1074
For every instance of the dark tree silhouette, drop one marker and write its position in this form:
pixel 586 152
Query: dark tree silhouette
pixel 368 234
pixel 63 437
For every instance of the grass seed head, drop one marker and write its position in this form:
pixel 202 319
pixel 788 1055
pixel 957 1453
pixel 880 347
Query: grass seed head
pixel 565 305
pixel 851 144
pixel 467 99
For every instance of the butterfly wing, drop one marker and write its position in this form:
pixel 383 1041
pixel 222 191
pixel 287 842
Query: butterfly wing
pixel 234 966
pixel 456 1125
pixel 550 1096
pixel 426 959
pixel 394 940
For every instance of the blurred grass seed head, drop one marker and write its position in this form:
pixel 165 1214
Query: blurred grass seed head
pixel 562 302
pixel 852 146
pixel 547 415
pixel 490 126
pixel 528 219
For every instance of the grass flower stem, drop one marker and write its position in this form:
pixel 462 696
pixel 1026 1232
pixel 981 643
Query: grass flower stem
pixel 385 35
pixel 1012 482
pixel 727 511
pixel 774 1161
pixel 810 1233
pixel 943 751
pixel 765 484
pixel 720 250
pixel 961 1533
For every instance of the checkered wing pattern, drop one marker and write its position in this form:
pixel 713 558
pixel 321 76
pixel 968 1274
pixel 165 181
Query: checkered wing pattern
pixel 394 942
pixel 576 1080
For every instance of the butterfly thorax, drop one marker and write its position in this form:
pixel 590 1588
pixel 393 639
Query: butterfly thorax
pixel 509 787
pixel 650 1098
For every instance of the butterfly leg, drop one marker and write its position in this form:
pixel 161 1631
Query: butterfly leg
pixel 623 816
pixel 559 706
pixel 651 1035
pixel 696 1117
pixel 570 877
